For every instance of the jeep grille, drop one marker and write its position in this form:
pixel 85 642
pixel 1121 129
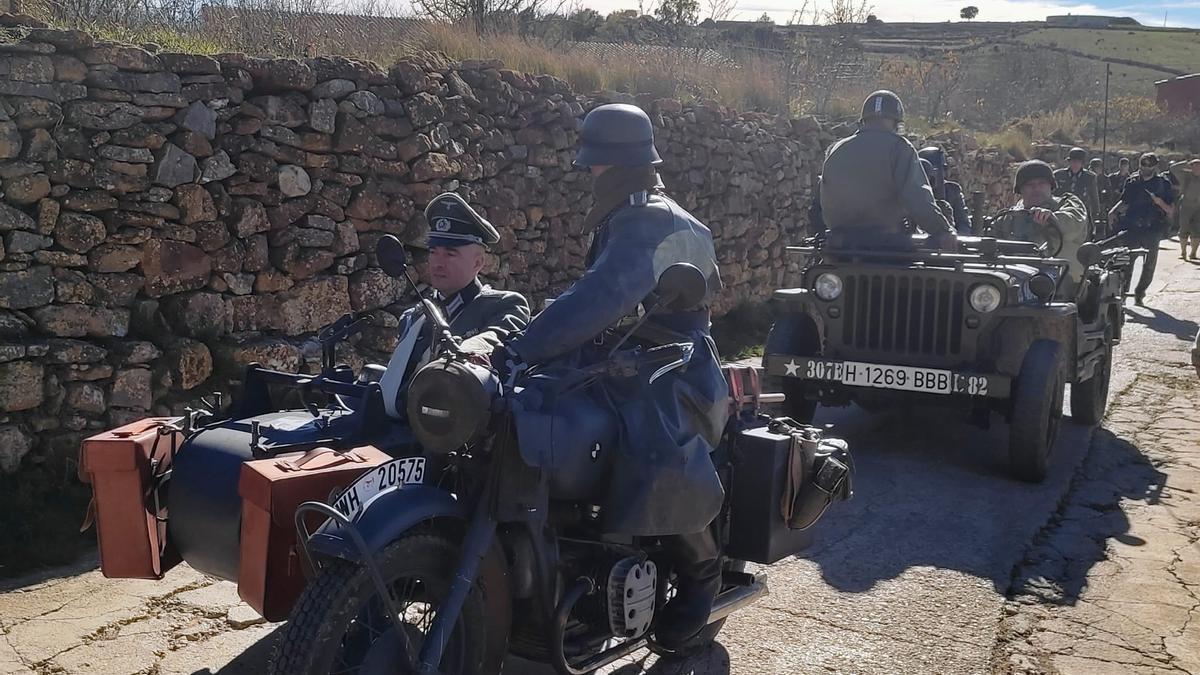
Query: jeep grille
pixel 907 314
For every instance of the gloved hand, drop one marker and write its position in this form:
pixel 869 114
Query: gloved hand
pixel 479 348
pixel 508 365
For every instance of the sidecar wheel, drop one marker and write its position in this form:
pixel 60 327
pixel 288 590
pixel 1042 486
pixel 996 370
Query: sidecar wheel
pixel 339 624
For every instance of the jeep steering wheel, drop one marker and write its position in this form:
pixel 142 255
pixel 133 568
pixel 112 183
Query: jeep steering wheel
pixel 1049 239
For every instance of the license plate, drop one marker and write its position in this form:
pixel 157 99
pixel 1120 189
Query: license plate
pixel 396 473
pixel 883 376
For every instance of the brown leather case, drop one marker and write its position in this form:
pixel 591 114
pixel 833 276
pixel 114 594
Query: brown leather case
pixel 122 465
pixel 271 573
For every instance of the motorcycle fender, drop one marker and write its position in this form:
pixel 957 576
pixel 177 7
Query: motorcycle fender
pixel 386 518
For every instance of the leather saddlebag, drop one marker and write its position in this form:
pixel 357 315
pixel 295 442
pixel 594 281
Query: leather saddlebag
pixel 271 571
pixel 126 468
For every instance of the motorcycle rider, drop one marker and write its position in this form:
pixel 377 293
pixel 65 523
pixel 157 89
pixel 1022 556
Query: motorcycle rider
pixel 872 180
pixel 1141 216
pixel 947 190
pixel 665 484
pixel 1039 206
pixel 459 239
pixel 1079 181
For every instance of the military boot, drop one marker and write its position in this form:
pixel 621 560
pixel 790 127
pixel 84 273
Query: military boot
pixel 697 560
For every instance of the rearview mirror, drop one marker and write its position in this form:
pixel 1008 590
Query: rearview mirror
pixel 1088 254
pixel 682 286
pixel 392 256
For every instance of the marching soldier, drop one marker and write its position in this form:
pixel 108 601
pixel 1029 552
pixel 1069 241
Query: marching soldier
pixel 1080 182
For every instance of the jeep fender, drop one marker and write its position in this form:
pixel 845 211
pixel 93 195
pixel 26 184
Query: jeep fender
pixel 798 327
pixel 1019 327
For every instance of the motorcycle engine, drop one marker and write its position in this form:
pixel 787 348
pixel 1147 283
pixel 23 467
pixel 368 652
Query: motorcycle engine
pixel 632 584
pixel 450 404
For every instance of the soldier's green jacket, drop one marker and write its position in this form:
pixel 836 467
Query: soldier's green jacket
pixel 873 180
pixel 1189 184
pixel 1070 215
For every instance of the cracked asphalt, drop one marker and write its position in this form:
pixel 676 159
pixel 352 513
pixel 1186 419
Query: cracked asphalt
pixel 940 563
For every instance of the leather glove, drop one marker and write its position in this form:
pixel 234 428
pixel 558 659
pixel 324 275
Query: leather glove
pixel 508 364
pixel 479 348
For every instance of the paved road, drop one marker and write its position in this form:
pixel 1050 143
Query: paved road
pixel 909 577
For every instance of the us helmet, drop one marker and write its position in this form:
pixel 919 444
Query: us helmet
pixel 883 104
pixel 1034 168
pixel 617 134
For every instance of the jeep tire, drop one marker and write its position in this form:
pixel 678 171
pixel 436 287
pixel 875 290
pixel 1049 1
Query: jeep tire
pixel 1037 403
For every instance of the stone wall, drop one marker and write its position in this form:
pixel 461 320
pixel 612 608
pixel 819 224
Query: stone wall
pixel 167 218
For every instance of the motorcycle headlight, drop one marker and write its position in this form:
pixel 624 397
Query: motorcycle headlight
pixel 985 298
pixel 828 286
pixel 450 404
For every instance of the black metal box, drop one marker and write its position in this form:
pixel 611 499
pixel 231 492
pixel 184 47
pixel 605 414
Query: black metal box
pixel 757 530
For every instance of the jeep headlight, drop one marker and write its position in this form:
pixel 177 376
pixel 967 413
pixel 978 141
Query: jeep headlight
pixel 828 286
pixel 985 298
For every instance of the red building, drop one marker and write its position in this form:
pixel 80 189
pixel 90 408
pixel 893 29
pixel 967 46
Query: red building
pixel 1180 95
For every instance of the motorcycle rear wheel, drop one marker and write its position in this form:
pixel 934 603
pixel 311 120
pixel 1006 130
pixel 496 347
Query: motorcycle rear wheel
pixel 339 624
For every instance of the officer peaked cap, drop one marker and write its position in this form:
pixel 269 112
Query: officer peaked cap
pixel 452 222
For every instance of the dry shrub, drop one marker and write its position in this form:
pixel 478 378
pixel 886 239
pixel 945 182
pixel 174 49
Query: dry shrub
pixel 1138 120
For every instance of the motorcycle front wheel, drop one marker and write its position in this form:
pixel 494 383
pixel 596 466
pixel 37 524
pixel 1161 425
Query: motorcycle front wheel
pixel 340 624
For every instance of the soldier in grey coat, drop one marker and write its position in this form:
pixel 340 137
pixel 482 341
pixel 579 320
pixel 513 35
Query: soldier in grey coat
pixel 668 486
pixel 1080 182
pixel 458 243
pixel 872 182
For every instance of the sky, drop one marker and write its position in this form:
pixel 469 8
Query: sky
pixel 1150 13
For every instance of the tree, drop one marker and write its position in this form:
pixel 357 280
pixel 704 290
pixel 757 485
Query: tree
pixel 483 14
pixel 720 10
pixel 969 13
pixel 765 18
pixel 678 12
pixel 584 23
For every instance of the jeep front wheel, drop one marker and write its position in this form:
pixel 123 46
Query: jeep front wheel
pixel 1036 411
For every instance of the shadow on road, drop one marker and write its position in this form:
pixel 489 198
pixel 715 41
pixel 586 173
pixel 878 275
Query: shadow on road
pixel 1162 322
pixel 1056 567
pixel 712 661
pixel 933 491
pixel 253 661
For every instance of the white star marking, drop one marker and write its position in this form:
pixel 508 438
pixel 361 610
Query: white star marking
pixel 792 368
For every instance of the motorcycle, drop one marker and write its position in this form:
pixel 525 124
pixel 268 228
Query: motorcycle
pixel 488 542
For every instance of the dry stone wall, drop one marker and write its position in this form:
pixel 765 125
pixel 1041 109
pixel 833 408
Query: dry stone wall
pixel 168 218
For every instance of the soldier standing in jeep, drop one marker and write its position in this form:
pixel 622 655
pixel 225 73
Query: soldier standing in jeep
pixel 872 180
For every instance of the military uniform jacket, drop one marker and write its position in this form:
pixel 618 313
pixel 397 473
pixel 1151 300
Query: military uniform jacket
pixel 1070 216
pixel 872 181
pixel 473 310
pixel 664 481
pixel 1082 185
pixel 1189 185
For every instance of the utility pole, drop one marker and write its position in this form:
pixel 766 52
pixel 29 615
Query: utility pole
pixel 1104 141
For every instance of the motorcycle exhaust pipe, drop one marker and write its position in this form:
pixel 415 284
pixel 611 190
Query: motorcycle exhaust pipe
pixel 738 597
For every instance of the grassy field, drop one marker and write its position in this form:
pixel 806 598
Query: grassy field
pixel 1172 49
pixel 1167 48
